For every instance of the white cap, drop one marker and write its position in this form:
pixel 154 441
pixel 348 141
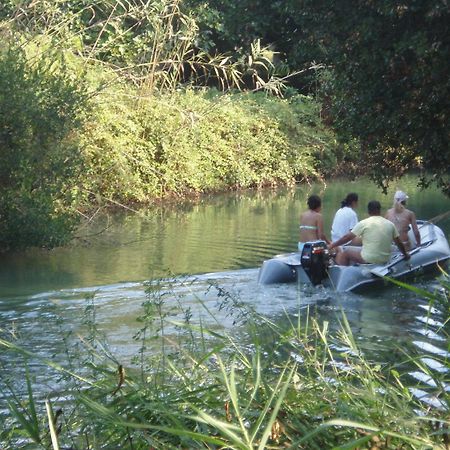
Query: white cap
pixel 400 196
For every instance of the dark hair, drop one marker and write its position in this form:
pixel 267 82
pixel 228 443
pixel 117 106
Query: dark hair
pixel 314 202
pixel 352 197
pixel 373 207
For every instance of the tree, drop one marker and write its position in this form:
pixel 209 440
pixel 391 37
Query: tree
pixel 390 86
pixel 40 157
pixel 232 26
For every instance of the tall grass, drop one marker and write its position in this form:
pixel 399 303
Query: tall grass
pixel 150 43
pixel 198 386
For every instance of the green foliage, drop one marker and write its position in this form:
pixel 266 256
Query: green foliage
pixel 135 149
pixel 192 142
pixel 147 137
pixel 193 386
pixel 389 87
pixel 40 158
pixel 389 64
pixel 280 26
pixel 151 43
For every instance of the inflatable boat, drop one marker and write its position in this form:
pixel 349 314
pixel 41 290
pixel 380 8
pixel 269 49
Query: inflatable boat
pixel 315 266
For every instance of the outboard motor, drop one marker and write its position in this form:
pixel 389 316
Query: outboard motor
pixel 315 260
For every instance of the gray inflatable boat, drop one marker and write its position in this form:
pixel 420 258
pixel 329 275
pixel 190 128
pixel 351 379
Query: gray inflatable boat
pixel 314 265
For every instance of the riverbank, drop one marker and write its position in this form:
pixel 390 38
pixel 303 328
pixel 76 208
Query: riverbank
pixel 101 141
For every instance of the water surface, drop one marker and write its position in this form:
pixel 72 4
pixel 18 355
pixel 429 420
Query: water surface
pixel 215 243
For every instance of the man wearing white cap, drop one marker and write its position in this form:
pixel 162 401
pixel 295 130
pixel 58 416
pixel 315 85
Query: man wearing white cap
pixel 403 219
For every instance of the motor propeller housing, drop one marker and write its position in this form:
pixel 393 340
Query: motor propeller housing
pixel 315 260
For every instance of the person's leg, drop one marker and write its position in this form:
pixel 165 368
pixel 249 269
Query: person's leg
pixel 356 241
pixel 341 259
pixel 348 256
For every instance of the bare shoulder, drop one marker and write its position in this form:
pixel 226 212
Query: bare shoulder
pixel 411 215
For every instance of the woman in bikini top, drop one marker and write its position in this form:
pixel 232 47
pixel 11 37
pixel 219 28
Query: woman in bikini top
pixel 311 222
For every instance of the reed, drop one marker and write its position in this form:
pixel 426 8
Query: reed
pixel 151 44
pixel 195 384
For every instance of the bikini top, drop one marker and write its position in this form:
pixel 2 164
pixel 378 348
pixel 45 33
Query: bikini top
pixel 308 227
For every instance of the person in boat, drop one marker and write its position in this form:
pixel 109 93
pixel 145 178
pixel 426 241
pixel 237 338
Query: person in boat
pixel 345 218
pixel 376 233
pixel 403 219
pixel 311 223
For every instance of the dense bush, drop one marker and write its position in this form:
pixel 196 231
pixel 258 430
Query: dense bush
pixel 200 141
pixel 40 158
pixel 389 86
pixel 134 148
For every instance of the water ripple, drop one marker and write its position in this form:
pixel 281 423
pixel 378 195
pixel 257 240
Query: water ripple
pixel 430 334
pixel 429 399
pixel 437 366
pixel 429 321
pixel 425 346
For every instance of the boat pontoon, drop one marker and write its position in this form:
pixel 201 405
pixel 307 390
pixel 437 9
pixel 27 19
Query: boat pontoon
pixel 314 265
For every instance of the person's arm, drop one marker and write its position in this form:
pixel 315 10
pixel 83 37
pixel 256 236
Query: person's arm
pixel 354 220
pixel 320 232
pixel 388 215
pixel 402 248
pixel 346 238
pixel 415 228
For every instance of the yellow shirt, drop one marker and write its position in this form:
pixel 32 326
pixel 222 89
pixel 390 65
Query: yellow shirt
pixel 377 234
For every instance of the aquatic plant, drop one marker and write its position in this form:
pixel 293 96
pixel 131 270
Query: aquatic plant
pixel 266 384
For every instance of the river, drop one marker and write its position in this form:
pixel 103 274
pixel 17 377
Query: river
pixel 200 249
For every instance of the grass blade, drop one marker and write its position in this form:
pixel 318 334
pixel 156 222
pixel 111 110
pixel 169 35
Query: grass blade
pixel 276 408
pixel 51 425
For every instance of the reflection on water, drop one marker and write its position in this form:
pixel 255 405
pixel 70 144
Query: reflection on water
pixel 218 243
pixel 221 233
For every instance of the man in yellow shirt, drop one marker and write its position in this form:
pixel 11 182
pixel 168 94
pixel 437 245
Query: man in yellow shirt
pixel 377 234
